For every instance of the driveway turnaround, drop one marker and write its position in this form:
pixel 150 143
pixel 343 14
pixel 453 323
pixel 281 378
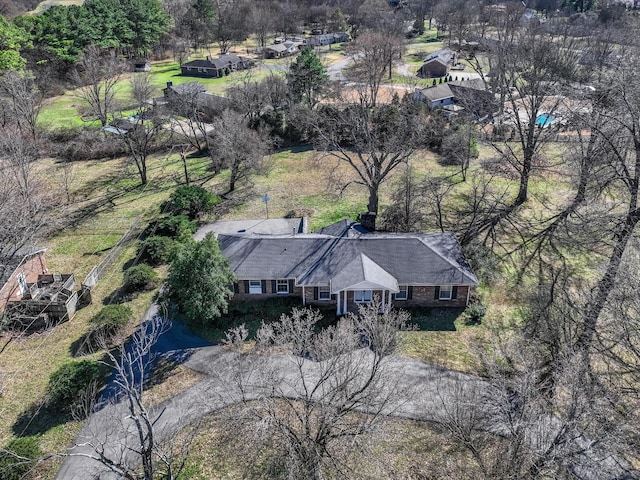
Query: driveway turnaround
pixel 434 392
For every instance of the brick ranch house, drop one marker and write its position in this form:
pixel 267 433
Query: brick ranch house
pixel 18 270
pixel 345 265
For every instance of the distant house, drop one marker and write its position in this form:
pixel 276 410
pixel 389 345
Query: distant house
pixel 292 39
pixel 345 265
pixel 438 63
pixel 280 50
pixel 141 66
pixel 189 95
pixel 218 67
pixel 18 270
pixel 435 97
pixel 188 89
pixel 327 39
pixel 470 95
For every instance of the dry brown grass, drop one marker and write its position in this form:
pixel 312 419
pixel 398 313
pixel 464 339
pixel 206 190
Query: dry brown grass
pixel 396 448
pixel 28 362
pixel 168 380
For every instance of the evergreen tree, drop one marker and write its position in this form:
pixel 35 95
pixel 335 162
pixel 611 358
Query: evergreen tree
pixel 199 281
pixel 307 77
pixel 12 38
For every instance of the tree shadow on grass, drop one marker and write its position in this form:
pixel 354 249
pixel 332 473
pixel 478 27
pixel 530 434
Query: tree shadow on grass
pixel 39 418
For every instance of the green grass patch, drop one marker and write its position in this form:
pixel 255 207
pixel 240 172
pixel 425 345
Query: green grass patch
pixel 427 37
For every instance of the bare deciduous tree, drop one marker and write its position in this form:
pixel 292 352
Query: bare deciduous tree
pixel 406 213
pixel 97 76
pixel 372 140
pixel 532 73
pixel 126 441
pixel 237 147
pixel 22 99
pixel 140 134
pixel 373 55
pixel 327 388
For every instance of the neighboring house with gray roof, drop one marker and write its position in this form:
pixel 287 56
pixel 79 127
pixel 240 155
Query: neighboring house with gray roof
pixel 346 266
pixel 472 95
pixel 216 67
pixel 438 63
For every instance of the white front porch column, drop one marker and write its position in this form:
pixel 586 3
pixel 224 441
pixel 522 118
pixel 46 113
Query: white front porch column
pixel 382 306
pixel 338 312
pixel 389 303
pixel 344 310
pixel 304 300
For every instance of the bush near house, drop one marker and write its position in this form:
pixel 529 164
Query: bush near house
pixel 140 278
pixel 175 226
pixel 110 320
pixel 71 380
pixel 190 200
pixel 156 250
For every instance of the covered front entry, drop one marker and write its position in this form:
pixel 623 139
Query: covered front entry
pixel 360 279
pixel 347 298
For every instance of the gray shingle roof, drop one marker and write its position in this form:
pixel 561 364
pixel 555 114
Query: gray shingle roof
pixel 189 88
pixel 315 259
pixel 444 56
pixel 343 228
pixel 439 92
pixel 278 47
pixel 364 274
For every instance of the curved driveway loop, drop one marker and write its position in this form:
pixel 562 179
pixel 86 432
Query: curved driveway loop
pixel 434 391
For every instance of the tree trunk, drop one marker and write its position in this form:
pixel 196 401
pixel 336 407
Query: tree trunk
pixel 372 206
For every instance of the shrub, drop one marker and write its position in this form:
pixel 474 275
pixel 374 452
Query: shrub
pixel 474 314
pixel 111 318
pixel 176 226
pixel 191 200
pixel 156 250
pixel 12 463
pixel 105 326
pixel 71 380
pixel 140 278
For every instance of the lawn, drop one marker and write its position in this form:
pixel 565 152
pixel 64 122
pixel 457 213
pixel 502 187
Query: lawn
pixel 298 180
pixel 67 110
pixel 28 362
pixel 46 4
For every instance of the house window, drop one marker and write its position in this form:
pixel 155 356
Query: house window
pixel 324 293
pixel 362 296
pixel 403 294
pixel 282 286
pixel 22 284
pixel 445 292
pixel 255 286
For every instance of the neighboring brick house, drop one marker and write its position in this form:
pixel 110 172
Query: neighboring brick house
pixel 345 265
pixel 18 270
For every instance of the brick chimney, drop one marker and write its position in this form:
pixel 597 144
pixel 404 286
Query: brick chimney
pixel 368 221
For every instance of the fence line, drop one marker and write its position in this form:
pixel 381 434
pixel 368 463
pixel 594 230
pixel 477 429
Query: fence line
pixel 97 272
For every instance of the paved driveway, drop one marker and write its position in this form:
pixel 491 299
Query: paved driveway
pixel 434 391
